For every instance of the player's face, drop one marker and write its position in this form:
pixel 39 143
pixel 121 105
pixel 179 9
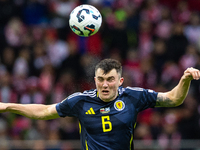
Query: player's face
pixel 107 84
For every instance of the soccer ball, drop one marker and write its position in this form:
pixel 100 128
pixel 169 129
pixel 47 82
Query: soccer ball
pixel 85 20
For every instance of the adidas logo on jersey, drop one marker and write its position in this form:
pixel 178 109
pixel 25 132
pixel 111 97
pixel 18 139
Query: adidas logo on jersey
pixel 90 111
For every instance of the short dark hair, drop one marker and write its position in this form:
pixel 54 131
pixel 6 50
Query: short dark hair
pixel 108 64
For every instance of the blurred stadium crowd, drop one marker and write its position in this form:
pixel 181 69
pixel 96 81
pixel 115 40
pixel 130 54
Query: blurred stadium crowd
pixel 43 62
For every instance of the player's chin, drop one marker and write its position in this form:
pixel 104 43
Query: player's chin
pixel 105 98
pixel 106 95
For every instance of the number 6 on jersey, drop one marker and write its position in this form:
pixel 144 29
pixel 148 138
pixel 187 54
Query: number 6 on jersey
pixel 106 124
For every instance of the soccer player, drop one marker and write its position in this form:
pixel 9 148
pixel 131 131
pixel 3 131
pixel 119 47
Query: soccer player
pixel 108 113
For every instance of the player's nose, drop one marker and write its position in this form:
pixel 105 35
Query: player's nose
pixel 105 84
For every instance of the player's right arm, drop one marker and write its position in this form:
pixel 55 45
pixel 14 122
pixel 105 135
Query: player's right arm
pixel 32 111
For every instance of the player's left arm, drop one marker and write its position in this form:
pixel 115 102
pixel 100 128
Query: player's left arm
pixel 177 95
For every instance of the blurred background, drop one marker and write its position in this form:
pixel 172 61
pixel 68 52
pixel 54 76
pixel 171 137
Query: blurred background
pixel 43 61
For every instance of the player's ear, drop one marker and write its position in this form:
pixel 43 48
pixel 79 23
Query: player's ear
pixel 121 80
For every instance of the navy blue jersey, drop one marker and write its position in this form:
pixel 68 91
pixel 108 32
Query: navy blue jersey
pixel 107 125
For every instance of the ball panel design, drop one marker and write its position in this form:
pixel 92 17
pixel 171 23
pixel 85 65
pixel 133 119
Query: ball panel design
pixel 85 20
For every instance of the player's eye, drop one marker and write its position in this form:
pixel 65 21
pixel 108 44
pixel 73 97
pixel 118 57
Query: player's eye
pixel 110 79
pixel 100 79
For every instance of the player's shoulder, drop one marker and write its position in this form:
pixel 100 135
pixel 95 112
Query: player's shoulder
pixel 130 89
pixel 80 96
pixel 138 90
pixel 134 89
pixel 90 93
pixel 87 93
pixel 135 92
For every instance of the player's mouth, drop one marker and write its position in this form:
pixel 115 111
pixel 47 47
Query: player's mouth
pixel 105 92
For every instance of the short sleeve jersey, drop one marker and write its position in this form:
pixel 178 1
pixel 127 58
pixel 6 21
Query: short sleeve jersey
pixel 107 125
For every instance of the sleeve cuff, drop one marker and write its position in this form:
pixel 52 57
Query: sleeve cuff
pixel 59 111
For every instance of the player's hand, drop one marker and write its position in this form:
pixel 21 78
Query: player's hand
pixel 192 73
